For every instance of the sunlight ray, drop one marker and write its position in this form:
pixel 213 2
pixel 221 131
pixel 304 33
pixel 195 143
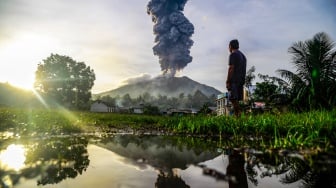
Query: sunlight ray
pixel 40 98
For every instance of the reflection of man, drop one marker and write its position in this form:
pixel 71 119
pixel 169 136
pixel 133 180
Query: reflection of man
pixel 170 180
pixel 236 171
pixel 236 75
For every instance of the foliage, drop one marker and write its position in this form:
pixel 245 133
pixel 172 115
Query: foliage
pixel 250 77
pixel 151 110
pixel 270 89
pixel 312 130
pixel 67 82
pixel 205 109
pixel 36 121
pixel 313 85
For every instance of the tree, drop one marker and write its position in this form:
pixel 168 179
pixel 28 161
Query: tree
pixel 151 110
pixel 249 77
pixel 109 100
pixel 272 88
pixel 64 81
pixel 248 82
pixel 199 99
pixel 127 100
pixel 264 90
pixel 205 109
pixel 313 85
pixel 147 97
pixel 173 102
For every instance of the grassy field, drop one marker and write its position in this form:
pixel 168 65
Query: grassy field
pixel 314 130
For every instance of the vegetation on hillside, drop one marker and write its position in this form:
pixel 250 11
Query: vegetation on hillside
pixel 163 102
pixel 163 92
pixel 11 96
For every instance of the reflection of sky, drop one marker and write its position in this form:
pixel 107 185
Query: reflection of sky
pixel 193 176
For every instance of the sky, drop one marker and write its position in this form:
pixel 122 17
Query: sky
pixel 115 37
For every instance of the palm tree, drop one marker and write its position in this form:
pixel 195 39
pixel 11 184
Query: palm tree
pixel 313 85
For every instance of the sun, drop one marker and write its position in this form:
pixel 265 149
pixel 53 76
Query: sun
pixel 19 57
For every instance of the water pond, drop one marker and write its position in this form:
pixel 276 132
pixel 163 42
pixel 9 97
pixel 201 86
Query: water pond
pixel 132 161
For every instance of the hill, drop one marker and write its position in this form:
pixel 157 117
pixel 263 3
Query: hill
pixel 164 86
pixel 11 96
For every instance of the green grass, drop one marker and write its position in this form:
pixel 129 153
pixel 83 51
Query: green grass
pixel 313 130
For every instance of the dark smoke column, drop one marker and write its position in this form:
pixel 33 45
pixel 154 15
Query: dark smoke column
pixel 172 34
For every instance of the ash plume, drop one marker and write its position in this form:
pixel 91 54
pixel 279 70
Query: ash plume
pixel 172 32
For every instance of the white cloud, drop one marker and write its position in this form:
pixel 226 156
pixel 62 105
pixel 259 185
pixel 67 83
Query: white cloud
pixel 137 79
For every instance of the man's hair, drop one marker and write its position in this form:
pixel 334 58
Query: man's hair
pixel 234 44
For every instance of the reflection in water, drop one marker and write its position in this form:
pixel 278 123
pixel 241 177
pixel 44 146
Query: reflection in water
pixel 13 157
pixel 321 171
pixel 161 152
pixel 50 160
pixel 169 180
pixel 167 161
pixel 164 153
pixel 235 170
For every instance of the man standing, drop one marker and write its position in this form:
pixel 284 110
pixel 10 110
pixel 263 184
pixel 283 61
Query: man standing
pixel 236 75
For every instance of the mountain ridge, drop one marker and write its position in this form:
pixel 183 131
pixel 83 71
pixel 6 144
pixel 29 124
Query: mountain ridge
pixel 168 86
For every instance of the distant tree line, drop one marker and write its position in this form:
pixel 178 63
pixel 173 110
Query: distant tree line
pixel 197 100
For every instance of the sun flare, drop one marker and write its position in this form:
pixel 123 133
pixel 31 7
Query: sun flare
pixel 20 56
pixel 13 157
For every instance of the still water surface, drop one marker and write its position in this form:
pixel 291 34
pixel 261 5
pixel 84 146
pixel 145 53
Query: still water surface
pixel 129 161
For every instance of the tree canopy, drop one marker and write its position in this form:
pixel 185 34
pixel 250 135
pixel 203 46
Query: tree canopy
pixel 64 81
pixel 271 90
pixel 313 85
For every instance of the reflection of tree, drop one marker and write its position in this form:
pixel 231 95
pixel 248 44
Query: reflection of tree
pixel 319 172
pixel 318 175
pixel 293 169
pixel 168 180
pixel 53 160
pixel 251 173
pixel 161 152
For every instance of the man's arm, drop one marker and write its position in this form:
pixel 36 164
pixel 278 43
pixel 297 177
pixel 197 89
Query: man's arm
pixel 229 77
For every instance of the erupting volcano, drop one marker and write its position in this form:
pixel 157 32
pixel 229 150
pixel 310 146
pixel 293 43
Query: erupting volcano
pixel 172 34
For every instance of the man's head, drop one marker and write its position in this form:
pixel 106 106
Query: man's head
pixel 233 45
